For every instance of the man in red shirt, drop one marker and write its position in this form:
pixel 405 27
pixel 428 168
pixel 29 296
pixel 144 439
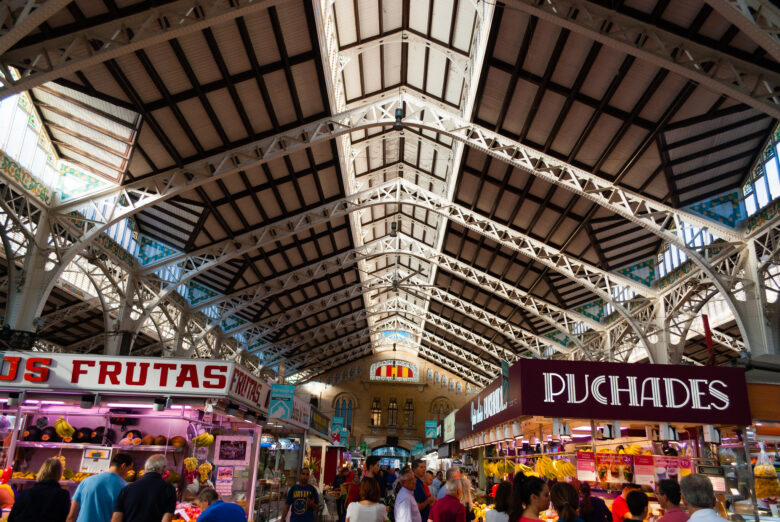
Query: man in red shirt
pixel 619 506
pixel 449 508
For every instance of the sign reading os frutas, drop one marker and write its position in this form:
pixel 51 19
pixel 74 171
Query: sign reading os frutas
pixel 132 376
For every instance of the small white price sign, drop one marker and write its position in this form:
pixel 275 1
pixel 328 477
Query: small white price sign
pixel 95 460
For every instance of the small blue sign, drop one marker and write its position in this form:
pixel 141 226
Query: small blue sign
pixel 280 405
pixel 430 429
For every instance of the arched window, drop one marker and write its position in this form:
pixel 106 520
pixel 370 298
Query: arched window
pixel 458 388
pixel 452 385
pixel 352 372
pixel 348 420
pixel 443 381
pixel 409 413
pixel 358 371
pixel 436 377
pixel 440 408
pixel 376 413
pixel 429 375
pixel 392 413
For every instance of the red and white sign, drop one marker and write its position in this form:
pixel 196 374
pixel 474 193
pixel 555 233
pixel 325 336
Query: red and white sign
pixel 644 470
pixel 586 466
pixel 132 376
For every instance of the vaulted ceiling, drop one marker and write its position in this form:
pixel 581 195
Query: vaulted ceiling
pixel 416 221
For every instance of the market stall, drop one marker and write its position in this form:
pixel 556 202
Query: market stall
pixel 608 424
pixel 201 414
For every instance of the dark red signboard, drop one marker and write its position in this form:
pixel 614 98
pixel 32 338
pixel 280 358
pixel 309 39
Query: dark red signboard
pixel 610 391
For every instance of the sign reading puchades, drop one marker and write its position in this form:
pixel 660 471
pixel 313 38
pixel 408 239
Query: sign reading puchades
pixel 610 391
pixel 132 376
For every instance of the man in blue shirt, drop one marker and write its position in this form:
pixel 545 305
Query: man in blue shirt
pixel 303 499
pixel 95 496
pixel 215 510
pixel 421 492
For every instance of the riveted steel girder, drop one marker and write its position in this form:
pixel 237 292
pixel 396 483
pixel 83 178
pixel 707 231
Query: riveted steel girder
pixel 18 18
pixel 758 19
pixel 62 56
pixel 720 72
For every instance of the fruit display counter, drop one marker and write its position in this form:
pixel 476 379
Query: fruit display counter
pixel 201 415
pixel 603 423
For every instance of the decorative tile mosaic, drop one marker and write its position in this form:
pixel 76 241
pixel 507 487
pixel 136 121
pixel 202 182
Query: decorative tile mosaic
pixel 675 274
pixel 13 170
pixel 594 309
pixel 727 209
pixel 150 250
pixel 764 215
pixel 197 293
pixel 231 322
pixel 641 272
pixel 558 337
pixel 74 182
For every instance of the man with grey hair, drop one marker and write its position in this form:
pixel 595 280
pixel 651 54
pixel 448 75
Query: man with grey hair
pixel 452 473
pixel 699 497
pixel 406 509
pixel 450 508
pixel 148 499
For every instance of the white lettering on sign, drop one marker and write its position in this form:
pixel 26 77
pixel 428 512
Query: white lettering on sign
pixel 698 394
pixel 492 404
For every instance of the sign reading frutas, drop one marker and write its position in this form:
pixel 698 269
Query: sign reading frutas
pixel 132 375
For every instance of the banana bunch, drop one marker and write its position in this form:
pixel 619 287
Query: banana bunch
pixel 203 440
pixel 564 468
pixel 606 451
pixel 525 470
pixel 64 430
pixel 545 467
pixel 631 449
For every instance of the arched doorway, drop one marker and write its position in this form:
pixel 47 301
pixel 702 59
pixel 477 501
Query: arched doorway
pixel 392 456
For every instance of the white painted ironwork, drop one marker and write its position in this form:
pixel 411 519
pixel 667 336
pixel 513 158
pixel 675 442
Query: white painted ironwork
pixel 60 57
pixel 718 71
pixel 758 19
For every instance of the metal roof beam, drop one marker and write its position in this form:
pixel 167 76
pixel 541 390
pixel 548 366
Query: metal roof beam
pixel 720 72
pixel 758 19
pixel 60 57
pixel 30 15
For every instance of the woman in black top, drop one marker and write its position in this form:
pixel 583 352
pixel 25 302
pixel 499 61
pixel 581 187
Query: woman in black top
pixel 46 500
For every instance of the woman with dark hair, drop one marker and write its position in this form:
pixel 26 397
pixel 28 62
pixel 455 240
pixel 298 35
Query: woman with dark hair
pixel 500 513
pixel 592 509
pixel 368 509
pixel 565 500
pixel 530 496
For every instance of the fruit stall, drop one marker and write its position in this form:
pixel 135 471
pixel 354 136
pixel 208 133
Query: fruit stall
pixel 612 423
pixel 201 414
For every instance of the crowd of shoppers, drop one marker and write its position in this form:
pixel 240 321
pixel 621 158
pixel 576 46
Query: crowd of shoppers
pixel 416 494
pixel 106 497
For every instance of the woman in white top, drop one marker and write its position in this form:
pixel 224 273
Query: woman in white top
pixel 369 509
pixel 500 513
